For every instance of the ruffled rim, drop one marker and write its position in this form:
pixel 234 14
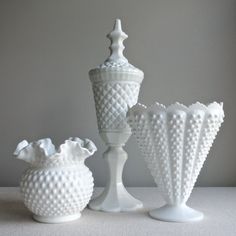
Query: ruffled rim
pixel 47 151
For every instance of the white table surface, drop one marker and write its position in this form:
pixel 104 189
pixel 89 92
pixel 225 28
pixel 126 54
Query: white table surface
pixel 218 205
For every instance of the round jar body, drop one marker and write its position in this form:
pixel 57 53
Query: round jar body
pixel 57 194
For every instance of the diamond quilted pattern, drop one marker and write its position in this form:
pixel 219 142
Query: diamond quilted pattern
pixel 112 101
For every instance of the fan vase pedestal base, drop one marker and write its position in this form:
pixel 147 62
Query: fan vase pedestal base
pixel 56 219
pixel 115 198
pixel 181 213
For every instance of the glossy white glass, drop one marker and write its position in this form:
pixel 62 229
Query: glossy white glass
pixel 175 141
pixel 116 86
pixel 57 185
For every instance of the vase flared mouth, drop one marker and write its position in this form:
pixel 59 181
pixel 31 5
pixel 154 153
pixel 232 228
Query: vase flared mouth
pixel 175 107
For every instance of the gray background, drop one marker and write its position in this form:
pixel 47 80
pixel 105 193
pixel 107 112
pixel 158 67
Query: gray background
pixel 186 49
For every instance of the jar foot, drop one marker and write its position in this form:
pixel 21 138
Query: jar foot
pixel 56 219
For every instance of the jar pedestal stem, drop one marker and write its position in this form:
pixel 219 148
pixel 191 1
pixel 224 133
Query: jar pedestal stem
pixel 115 198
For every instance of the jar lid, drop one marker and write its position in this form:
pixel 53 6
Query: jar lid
pixel 116 66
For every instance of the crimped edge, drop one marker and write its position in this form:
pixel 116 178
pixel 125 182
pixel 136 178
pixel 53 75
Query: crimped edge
pixel 158 107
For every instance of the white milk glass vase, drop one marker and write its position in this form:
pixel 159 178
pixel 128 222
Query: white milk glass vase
pixel 116 86
pixel 175 141
pixel 57 185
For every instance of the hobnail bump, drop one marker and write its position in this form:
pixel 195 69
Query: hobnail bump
pixel 175 141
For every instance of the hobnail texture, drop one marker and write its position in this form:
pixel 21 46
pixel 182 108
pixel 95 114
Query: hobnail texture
pixel 175 141
pixel 57 192
pixel 57 186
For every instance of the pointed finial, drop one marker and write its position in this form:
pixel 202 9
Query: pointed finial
pixel 117 36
